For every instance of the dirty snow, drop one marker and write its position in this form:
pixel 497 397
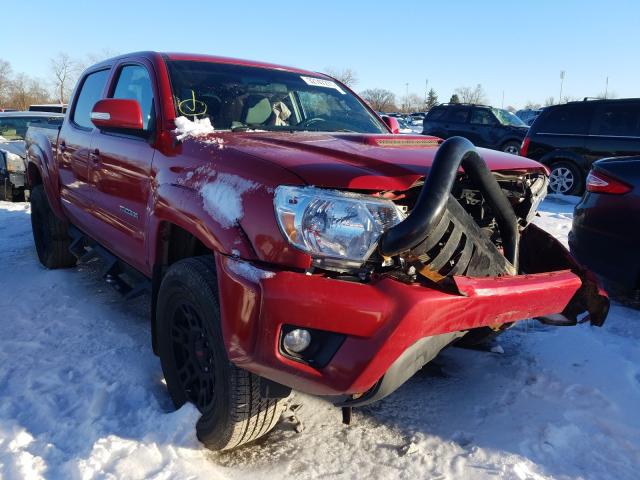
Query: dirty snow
pixel 222 198
pixel 82 396
pixel 248 271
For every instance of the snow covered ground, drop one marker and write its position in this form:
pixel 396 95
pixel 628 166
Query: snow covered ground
pixel 82 396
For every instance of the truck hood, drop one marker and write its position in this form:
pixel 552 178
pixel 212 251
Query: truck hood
pixel 358 161
pixel 14 146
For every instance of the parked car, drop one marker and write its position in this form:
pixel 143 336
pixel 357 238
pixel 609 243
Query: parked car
pixel 606 225
pixel 295 245
pixel 528 115
pixel 484 126
pixel 49 107
pixel 408 128
pixel 568 138
pixel 13 127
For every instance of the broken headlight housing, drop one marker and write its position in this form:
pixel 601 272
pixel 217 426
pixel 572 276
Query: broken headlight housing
pixel 338 229
pixel 15 163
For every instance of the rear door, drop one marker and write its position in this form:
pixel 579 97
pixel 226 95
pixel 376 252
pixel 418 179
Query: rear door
pixel 561 132
pixel 482 127
pixel 121 173
pixel 74 145
pixel 456 122
pixel 615 131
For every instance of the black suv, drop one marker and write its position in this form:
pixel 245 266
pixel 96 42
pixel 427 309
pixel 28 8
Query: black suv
pixel 484 126
pixel 569 138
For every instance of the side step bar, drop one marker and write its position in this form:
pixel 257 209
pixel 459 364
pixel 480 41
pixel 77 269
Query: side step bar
pixel 121 276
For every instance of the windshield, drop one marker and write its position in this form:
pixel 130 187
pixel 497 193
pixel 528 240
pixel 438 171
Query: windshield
pixel 15 128
pixel 242 98
pixel 507 118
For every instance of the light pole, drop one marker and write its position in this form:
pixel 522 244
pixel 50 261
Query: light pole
pixel 406 98
pixel 561 82
pixel 606 88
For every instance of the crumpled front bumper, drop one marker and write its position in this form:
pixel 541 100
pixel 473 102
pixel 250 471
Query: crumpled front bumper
pixel 382 319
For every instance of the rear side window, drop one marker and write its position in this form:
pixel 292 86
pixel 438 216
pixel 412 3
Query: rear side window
pixel 435 113
pixel 618 120
pixel 569 119
pixel 458 115
pixel 134 83
pixel 90 93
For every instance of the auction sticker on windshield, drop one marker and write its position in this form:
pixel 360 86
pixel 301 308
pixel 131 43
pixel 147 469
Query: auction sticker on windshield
pixel 320 82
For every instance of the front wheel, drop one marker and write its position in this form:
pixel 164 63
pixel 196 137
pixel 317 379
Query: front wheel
pixel 565 179
pixel 511 147
pixel 195 362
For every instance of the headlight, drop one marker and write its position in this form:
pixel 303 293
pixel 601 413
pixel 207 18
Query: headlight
pixel 340 230
pixel 14 162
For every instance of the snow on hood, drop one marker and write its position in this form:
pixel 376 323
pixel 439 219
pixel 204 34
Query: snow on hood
pixel 222 198
pixel 196 128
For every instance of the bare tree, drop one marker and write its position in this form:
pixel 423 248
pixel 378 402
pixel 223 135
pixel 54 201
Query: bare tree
pixel 471 94
pixel 65 72
pixel 25 91
pixel 346 75
pixel 549 101
pixel 412 103
pixel 531 105
pixel 5 81
pixel 379 99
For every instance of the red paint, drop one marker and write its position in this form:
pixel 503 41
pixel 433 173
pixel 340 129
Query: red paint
pixel 122 190
pixel 382 319
pixel 117 113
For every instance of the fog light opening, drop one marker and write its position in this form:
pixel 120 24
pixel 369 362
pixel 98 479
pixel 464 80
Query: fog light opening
pixel 296 341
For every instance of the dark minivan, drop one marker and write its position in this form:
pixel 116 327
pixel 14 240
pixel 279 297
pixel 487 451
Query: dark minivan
pixel 568 138
pixel 484 126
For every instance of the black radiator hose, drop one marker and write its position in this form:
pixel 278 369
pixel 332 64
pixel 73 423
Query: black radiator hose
pixel 432 201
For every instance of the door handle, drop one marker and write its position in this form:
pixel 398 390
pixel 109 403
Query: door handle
pixel 62 146
pixel 94 155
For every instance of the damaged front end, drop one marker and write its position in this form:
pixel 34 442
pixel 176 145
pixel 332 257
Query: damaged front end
pixel 476 224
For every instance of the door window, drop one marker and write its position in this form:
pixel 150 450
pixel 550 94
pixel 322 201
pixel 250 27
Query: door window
pixel 134 83
pixel 480 116
pixel 90 93
pixel 617 120
pixel 569 119
pixel 458 115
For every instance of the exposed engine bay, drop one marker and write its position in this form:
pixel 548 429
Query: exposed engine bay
pixel 460 223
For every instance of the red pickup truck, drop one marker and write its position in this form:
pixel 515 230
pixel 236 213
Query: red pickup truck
pixel 288 238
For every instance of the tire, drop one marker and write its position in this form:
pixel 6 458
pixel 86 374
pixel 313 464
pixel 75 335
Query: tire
pixel 511 147
pixel 477 337
pixel 50 234
pixel 565 178
pixel 195 362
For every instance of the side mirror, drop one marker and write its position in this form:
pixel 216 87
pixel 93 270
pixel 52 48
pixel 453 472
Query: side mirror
pixel 117 113
pixel 392 123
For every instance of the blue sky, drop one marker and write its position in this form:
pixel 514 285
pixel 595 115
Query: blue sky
pixel 516 46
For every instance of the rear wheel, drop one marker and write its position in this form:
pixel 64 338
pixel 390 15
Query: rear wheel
pixel 565 178
pixel 195 362
pixel 511 147
pixel 50 234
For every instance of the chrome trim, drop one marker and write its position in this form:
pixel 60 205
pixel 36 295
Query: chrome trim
pixel 100 116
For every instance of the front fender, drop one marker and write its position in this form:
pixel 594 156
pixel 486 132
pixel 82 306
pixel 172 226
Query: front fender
pixel 183 207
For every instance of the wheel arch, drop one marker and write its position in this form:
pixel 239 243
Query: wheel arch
pixel 42 170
